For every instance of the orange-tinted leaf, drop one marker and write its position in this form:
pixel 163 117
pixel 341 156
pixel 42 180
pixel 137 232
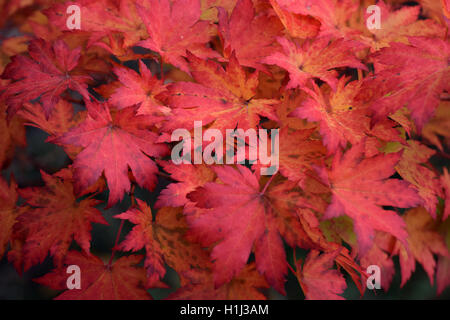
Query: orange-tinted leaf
pixel 164 241
pixel 123 280
pixel 8 212
pixel 445 180
pixel 294 162
pixel 340 118
pixel 52 220
pixel 61 120
pixel 112 142
pixel 439 126
pixel 423 242
pixel 317 278
pixel 246 286
pixel 189 176
pixel 12 134
pixel 222 98
pixel 400 24
pixel 412 169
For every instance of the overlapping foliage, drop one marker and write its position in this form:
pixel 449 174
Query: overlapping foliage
pixel 364 119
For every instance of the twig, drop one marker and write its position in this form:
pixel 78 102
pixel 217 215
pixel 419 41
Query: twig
pixel 114 249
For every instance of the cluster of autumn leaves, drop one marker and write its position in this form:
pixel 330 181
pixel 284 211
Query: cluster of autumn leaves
pixel 361 114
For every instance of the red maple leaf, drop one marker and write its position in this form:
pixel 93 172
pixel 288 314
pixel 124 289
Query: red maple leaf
pixel 189 176
pixel 411 75
pixel 222 98
pixel 412 167
pixel 250 36
pixel 381 255
pixel 294 162
pixel 423 241
pixel 12 134
pixel 361 186
pixel 333 15
pixel 113 141
pixel 139 90
pixel 174 27
pixel 121 280
pixel 100 18
pixel 314 59
pixel 317 279
pixel 61 120
pixel 342 118
pixel 8 212
pixel 45 75
pixel 400 24
pixel 240 215
pixel 53 219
